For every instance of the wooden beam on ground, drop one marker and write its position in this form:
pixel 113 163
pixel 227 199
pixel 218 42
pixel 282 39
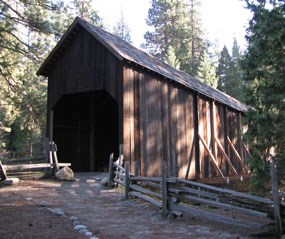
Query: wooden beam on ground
pixel 146 198
pixel 211 156
pixel 226 156
pixel 237 154
pixel 22 167
pixel 199 213
pixel 144 190
pixel 224 190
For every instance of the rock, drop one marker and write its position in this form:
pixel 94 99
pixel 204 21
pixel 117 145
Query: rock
pixel 94 237
pixel 73 218
pixel 104 181
pixel 79 227
pixel 76 223
pixel 11 181
pixel 83 231
pixel 65 173
pixel 56 211
pixel 43 203
pixel 283 237
pixel 88 233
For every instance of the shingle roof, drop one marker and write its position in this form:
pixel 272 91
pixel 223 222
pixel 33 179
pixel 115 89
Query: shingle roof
pixel 125 51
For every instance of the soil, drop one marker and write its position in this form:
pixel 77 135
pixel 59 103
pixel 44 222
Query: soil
pixel 24 214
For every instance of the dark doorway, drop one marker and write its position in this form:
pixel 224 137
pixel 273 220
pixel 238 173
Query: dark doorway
pixel 86 130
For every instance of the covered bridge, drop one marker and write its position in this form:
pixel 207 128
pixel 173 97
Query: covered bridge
pixel 103 92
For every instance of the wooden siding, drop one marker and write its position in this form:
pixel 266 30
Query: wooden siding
pixel 159 124
pixel 84 65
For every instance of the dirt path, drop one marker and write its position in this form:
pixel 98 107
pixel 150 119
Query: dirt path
pixel 24 214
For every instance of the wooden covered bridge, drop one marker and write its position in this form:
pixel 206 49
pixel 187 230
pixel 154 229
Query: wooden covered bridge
pixel 103 92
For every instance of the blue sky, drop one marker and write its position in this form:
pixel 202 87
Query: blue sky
pixel 223 19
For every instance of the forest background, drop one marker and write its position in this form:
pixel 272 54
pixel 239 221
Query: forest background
pixel 29 29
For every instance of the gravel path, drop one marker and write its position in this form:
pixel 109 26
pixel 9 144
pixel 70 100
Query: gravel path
pixel 107 215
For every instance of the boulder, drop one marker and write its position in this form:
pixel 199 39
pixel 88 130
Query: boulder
pixel 104 181
pixel 79 227
pixel 11 181
pixel 56 211
pixel 65 173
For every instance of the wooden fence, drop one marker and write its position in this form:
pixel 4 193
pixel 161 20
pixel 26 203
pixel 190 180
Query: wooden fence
pixel 175 197
pixel 31 169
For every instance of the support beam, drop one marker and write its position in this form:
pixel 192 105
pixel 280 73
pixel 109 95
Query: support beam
pixel 211 156
pixel 226 156
pixel 236 154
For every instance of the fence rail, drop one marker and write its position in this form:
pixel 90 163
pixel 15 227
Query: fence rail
pixel 177 196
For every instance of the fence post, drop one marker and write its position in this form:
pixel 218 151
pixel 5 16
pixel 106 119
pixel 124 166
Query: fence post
pixel 110 179
pixel 164 189
pixel 126 180
pixel 276 203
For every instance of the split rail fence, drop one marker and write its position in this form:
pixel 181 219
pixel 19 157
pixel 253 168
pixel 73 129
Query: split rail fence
pixel 175 197
pixel 7 170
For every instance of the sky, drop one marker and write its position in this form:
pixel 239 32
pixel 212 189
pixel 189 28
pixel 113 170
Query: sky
pixel 222 19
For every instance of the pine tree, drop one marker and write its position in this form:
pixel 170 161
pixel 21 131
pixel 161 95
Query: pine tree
pixel 236 82
pixel 207 72
pixel 264 71
pixel 224 71
pixel 28 31
pixel 176 24
pixel 122 29
pixel 85 10
pixel 171 58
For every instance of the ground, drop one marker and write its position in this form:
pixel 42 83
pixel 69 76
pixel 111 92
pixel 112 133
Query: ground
pixel 24 214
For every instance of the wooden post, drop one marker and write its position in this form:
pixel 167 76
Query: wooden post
pixel 110 170
pixel 276 203
pixel 54 154
pixel 51 126
pixel 136 168
pixel 126 180
pixel 121 148
pixel 3 174
pixel 164 189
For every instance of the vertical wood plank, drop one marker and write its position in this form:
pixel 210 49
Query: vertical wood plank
pixel 137 148
pixel 165 123
pixel 92 135
pixel 127 180
pixel 196 136
pixel 164 189
pixel 51 121
pixel 136 172
pixel 110 178
pixel 173 129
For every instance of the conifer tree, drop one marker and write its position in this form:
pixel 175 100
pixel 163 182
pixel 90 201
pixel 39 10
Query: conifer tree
pixel 264 71
pixel 85 10
pixel 177 29
pixel 224 71
pixel 122 30
pixel 28 31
